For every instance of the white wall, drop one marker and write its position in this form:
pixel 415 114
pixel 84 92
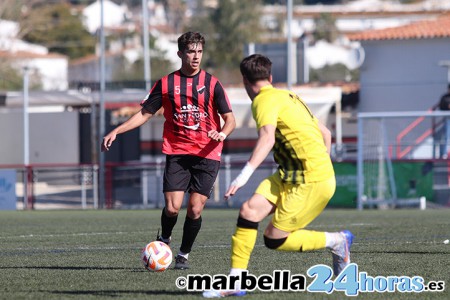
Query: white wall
pixel 54 137
pixel 51 69
pixel 113 15
pixel 403 75
pixel 90 71
pixel 53 72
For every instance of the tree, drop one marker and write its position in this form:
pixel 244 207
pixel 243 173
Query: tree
pixel 307 2
pixel 325 28
pixel 10 9
pixel 229 27
pixel 56 27
pixel 336 72
pixel 314 2
pixel 135 72
pixel 175 13
pixel 10 79
pixel 129 3
pixel 239 25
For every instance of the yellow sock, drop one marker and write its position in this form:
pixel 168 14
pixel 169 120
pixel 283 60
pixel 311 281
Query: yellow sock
pixel 242 244
pixel 304 240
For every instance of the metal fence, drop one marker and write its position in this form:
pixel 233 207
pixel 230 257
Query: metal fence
pixel 135 185
pixel 386 137
pixel 127 185
pixel 57 186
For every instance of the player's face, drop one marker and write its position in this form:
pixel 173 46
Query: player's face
pixel 191 58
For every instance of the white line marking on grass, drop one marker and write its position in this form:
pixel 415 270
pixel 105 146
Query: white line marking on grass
pixel 137 232
pixel 204 246
pixel 398 243
pixel 65 234
pixel 340 225
pixel 309 226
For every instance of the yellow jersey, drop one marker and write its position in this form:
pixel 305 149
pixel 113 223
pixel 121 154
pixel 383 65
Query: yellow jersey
pixel 299 148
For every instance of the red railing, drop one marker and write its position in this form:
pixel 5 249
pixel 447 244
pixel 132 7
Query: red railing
pixel 401 153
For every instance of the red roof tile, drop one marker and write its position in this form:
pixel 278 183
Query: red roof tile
pixel 438 28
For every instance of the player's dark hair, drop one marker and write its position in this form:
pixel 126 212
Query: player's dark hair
pixel 190 38
pixel 256 67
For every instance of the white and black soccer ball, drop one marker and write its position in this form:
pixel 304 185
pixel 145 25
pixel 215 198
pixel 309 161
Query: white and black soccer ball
pixel 156 256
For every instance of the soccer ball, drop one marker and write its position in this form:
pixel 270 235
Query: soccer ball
pixel 156 256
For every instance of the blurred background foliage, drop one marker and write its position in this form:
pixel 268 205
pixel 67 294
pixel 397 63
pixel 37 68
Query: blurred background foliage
pixel 228 27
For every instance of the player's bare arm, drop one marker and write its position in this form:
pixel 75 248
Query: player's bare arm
pixel 326 134
pixel 135 121
pixel 227 129
pixel 264 144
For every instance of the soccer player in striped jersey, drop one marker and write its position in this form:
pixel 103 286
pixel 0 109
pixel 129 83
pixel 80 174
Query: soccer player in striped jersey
pixel 301 187
pixel 193 101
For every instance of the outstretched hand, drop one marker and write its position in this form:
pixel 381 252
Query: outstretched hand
pixel 232 189
pixel 240 181
pixel 107 141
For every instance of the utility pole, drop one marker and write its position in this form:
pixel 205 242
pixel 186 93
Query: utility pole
pixel 101 160
pixel 289 44
pixel 26 136
pixel 145 41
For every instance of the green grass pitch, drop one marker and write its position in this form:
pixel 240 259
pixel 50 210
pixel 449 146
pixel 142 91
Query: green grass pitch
pixel 96 254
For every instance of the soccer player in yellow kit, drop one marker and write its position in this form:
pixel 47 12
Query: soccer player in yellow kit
pixel 301 187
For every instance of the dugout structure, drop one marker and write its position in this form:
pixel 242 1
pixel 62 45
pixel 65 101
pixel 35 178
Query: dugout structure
pixel 385 138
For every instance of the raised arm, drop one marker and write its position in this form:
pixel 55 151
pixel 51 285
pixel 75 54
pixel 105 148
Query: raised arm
pixel 133 122
pixel 326 134
pixel 264 144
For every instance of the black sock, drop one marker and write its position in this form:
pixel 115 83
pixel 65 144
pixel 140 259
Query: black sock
pixel 167 224
pixel 190 230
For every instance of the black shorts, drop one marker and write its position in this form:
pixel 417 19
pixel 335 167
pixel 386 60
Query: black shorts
pixel 190 173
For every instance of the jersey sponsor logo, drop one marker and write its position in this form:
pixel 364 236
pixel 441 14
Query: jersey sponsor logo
pixel 190 116
pixel 192 127
pixel 190 113
pixel 201 89
pixel 189 107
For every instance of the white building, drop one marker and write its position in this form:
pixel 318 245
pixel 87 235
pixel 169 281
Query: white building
pixel 401 68
pixel 50 68
pixel 113 15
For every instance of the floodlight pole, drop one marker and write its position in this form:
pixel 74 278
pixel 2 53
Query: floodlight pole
pixel 289 44
pixel 145 41
pixel 26 135
pixel 26 127
pixel 101 160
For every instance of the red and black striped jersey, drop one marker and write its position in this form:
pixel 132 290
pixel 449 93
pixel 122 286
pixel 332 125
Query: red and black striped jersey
pixel 192 105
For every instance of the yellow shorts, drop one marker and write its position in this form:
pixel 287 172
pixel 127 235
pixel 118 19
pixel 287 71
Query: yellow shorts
pixel 297 204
